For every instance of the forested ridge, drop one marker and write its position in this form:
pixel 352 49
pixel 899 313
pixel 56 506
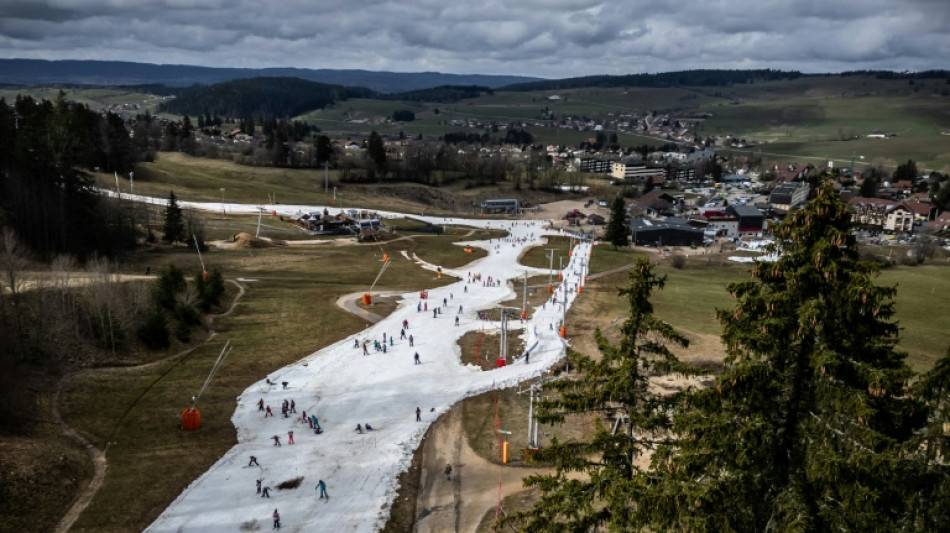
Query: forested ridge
pixel 269 97
pixel 685 78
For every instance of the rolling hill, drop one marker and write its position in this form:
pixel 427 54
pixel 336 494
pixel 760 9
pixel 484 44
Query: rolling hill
pixel 33 72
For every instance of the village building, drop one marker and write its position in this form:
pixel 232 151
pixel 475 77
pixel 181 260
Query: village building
pixel 880 213
pixel 670 232
pixel 507 206
pixel 788 196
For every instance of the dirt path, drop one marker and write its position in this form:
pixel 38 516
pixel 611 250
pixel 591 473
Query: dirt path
pixel 97 456
pixel 458 503
pixel 347 302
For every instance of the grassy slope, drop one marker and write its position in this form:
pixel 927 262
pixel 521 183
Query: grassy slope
pixel 692 295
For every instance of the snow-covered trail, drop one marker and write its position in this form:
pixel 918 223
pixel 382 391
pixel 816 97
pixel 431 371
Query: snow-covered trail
pixel 343 387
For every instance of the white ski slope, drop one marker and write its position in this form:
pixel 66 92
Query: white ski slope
pixel 342 387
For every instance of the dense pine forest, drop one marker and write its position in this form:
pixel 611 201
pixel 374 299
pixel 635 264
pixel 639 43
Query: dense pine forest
pixel 46 160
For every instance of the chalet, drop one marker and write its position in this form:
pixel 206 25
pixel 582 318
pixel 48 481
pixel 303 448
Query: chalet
pixel 787 172
pixel 880 213
pixel 653 204
pixel 941 225
pixel 923 211
pixel 574 217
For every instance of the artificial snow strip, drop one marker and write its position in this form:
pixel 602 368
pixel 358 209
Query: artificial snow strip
pixel 342 387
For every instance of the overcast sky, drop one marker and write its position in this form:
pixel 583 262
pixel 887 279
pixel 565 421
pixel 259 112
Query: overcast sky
pixel 546 38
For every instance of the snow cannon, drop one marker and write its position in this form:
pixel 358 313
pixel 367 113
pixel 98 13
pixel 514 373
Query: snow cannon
pixel 563 332
pixel 191 419
pixel 367 298
pixel 580 289
pixel 550 288
pixel 524 315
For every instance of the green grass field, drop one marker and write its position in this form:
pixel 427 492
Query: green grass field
pixel 693 294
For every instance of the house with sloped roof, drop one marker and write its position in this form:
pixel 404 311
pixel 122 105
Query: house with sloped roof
pixel 887 215
pixel 923 211
pixel 653 204
pixel 941 225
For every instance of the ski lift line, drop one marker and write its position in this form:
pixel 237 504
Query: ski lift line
pixel 381 270
pixel 225 351
pixel 198 249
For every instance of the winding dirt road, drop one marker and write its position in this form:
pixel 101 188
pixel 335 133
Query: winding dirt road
pixel 97 456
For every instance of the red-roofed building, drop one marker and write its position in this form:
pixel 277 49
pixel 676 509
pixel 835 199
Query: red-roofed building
pixel 941 224
pixel 923 211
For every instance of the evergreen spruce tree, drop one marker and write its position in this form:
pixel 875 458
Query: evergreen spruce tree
pixel 617 231
pixel 174 230
pixel 376 154
pixel 811 426
pixel 605 495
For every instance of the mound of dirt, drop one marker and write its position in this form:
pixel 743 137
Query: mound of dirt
pixel 246 240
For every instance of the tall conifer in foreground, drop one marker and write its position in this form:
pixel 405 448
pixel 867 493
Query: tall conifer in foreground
pixel 811 426
pixel 617 383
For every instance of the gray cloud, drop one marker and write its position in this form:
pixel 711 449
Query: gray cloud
pixel 549 38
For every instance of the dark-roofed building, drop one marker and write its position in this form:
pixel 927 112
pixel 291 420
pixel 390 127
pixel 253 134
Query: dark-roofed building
pixel 664 233
pixel 508 206
pixel 750 219
pixel 653 203
pixel 598 166
pixel 789 196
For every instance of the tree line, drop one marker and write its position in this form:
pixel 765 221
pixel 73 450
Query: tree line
pixel 264 97
pixel 685 78
pixel 49 150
